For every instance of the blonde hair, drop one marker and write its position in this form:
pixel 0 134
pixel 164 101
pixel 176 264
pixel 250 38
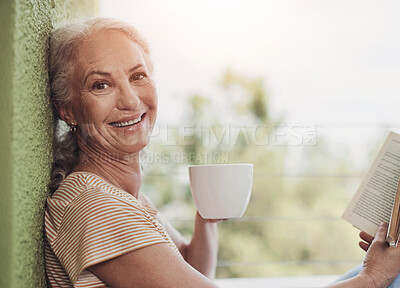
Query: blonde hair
pixel 64 43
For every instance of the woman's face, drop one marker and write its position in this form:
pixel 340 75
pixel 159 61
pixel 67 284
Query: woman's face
pixel 115 102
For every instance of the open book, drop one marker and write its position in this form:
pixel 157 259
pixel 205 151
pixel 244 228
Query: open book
pixel 378 198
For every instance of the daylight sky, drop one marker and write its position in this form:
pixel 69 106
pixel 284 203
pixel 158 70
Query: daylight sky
pixel 332 63
pixel 329 61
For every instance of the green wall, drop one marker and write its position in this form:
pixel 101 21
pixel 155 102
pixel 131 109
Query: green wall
pixel 25 131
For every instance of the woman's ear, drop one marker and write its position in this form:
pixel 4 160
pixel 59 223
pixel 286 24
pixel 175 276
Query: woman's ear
pixel 65 112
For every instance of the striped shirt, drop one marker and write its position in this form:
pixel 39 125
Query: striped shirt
pixel 88 221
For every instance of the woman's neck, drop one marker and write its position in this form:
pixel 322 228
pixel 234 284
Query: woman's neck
pixel 122 171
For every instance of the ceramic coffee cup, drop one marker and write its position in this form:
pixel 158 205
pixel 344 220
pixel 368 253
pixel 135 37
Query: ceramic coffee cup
pixel 221 191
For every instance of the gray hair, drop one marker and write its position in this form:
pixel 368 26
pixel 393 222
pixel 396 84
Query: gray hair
pixel 64 43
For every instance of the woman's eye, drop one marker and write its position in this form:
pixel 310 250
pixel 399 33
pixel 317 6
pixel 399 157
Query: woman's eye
pixel 99 86
pixel 140 79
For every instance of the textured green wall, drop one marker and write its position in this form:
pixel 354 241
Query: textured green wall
pixel 6 55
pixel 26 133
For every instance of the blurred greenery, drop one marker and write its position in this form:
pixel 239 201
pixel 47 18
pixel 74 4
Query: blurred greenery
pixel 292 225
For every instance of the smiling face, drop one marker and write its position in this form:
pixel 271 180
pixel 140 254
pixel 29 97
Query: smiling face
pixel 114 102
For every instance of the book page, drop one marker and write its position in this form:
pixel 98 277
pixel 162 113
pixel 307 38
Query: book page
pixel 374 199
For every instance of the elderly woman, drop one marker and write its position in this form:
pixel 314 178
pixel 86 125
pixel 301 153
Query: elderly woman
pixel 100 229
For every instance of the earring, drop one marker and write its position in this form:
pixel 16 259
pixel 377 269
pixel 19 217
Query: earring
pixel 72 127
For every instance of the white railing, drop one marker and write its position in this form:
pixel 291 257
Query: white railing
pixel 277 282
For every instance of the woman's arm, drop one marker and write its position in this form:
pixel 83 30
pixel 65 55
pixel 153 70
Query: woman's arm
pixel 381 263
pixel 201 252
pixel 153 266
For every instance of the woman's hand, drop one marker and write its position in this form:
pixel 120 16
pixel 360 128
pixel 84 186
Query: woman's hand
pixel 382 262
pixel 368 240
pixel 211 220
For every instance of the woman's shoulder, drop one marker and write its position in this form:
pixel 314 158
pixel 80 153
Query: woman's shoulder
pixel 85 195
pixel 77 183
pixel 148 204
pixel 82 190
pixel 72 186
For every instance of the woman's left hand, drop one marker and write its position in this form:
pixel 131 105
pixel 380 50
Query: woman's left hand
pixel 368 240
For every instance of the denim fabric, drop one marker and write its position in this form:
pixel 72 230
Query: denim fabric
pixel 353 272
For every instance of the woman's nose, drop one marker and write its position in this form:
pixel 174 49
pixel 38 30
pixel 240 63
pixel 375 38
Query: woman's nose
pixel 128 98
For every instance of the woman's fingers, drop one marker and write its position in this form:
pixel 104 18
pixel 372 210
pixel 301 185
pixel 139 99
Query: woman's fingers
pixel 363 246
pixel 380 235
pixel 217 220
pixel 366 237
pixel 211 220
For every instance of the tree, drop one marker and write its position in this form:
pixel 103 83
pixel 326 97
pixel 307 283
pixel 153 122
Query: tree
pixel 283 231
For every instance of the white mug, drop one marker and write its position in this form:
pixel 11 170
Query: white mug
pixel 221 191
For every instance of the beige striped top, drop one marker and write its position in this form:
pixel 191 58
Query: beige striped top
pixel 88 221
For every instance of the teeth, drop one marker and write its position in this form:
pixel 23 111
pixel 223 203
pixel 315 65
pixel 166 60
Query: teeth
pixel 123 124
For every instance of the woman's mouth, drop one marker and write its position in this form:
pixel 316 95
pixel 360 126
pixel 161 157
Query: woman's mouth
pixel 127 123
